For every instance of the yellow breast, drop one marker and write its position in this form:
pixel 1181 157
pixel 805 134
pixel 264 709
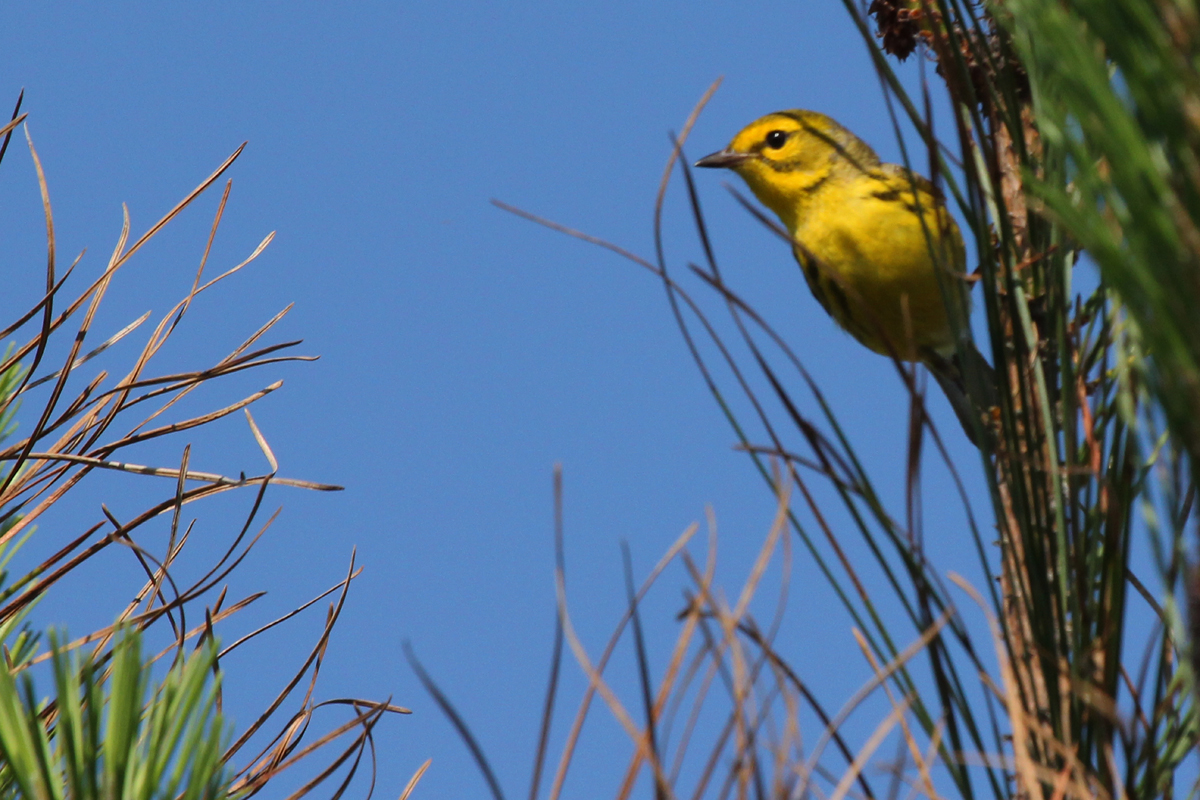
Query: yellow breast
pixel 868 260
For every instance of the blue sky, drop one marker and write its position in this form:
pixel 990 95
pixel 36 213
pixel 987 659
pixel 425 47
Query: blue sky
pixel 463 351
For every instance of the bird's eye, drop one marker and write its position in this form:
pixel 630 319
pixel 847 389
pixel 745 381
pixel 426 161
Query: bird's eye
pixel 775 139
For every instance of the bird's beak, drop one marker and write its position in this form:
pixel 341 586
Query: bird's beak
pixel 724 158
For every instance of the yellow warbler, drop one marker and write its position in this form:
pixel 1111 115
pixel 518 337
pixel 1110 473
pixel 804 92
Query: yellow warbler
pixel 870 237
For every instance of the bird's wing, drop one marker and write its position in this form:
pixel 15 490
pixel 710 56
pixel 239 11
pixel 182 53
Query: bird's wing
pixel 899 182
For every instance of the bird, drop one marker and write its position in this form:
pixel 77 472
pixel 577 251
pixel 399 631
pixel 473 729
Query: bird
pixel 870 238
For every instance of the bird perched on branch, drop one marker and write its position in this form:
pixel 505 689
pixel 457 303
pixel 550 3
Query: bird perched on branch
pixel 878 248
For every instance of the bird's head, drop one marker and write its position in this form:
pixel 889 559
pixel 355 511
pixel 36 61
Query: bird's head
pixel 786 155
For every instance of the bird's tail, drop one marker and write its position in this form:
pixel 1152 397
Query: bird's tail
pixel 951 374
